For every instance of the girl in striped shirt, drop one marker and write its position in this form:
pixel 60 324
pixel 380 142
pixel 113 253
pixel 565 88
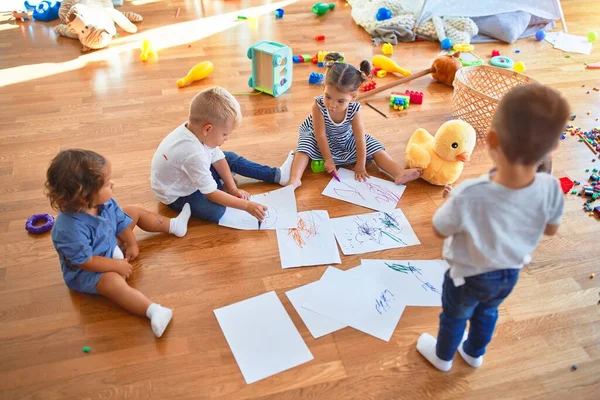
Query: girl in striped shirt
pixel 334 131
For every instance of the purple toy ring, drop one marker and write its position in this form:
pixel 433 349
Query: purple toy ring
pixel 35 218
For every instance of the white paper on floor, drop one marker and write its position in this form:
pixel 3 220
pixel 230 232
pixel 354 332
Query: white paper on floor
pixel 414 282
pixel 282 212
pixel 311 243
pixel 262 337
pixel 375 193
pixel 317 324
pixel 358 299
pixel 358 234
pixel 573 43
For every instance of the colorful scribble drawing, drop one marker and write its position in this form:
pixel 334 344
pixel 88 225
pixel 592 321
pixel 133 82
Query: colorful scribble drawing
pixel 377 229
pixel 379 193
pixel 416 272
pixel 307 229
pixel 382 303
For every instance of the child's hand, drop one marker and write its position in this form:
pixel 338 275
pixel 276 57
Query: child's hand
pixel 123 268
pixel 131 252
pixel 330 166
pixel 242 194
pixel 256 210
pixel 446 192
pixel 360 174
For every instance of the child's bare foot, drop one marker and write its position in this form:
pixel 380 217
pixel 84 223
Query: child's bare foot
pixel 447 190
pixel 295 183
pixel 407 175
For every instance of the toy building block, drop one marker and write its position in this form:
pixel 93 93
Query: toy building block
pixel 279 13
pixel 317 166
pixel 387 49
pixel 315 78
pixel 415 97
pixel 399 101
pixel 297 59
pixel 368 86
pixel 272 65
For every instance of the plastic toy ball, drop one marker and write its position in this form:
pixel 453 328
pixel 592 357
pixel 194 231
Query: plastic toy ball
pixel 383 13
pixel 446 44
pixel 519 67
pixel 540 35
pixel 592 36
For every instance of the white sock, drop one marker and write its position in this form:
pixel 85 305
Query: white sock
pixel 178 226
pixel 118 253
pixel 474 362
pixel 286 169
pixel 426 346
pixel 159 318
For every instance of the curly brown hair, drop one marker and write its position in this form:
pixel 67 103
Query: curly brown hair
pixel 73 178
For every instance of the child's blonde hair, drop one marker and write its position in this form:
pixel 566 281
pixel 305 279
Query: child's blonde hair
pixel 214 106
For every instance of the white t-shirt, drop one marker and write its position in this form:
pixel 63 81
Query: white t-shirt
pixel 489 226
pixel 181 165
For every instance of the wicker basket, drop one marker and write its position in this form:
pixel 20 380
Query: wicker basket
pixel 478 90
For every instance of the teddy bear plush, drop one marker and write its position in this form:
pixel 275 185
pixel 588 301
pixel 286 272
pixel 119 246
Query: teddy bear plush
pixel 93 22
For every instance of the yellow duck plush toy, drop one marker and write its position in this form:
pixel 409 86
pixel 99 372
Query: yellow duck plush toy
pixel 442 157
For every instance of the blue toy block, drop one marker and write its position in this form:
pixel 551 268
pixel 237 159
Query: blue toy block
pixel 315 78
pixel 279 13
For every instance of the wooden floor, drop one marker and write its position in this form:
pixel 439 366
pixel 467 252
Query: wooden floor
pixel 53 98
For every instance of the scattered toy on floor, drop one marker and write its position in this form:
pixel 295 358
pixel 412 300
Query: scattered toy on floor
pixel 495 53
pixel 279 13
pixel 592 36
pixel 86 349
pixel 322 8
pixel 44 10
pixel 442 156
pixel 316 78
pixel 519 67
pixel 272 67
pixel 387 49
pixel 198 72
pixel 320 38
pixel 383 13
pixel 32 227
pixel 446 44
pixel 540 35
pixel 147 50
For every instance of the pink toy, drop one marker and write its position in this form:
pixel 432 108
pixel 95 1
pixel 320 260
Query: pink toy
pixel 415 97
pixel 495 53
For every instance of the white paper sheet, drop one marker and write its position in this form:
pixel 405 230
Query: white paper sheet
pixel 414 282
pixel 317 324
pixel 375 193
pixel 262 337
pixel 551 37
pixel 358 234
pixel 311 243
pixel 282 212
pixel 573 44
pixel 360 299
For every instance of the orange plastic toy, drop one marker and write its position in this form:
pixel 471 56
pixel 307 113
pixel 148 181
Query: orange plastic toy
pixel 387 64
pixel 198 72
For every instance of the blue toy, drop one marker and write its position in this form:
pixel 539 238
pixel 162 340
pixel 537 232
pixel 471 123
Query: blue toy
pixel 540 35
pixel 44 10
pixel 316 78
pixel 279 13
pixel 383 13
pixel 271 67
pixel 446 44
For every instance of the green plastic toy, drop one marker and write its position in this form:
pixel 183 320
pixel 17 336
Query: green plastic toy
pixel 322 8
pixel 317 166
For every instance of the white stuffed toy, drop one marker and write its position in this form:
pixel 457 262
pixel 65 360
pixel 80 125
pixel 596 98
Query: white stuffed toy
pixel 93 22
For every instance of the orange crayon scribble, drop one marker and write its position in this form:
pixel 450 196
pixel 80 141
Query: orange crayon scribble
pixel 304 231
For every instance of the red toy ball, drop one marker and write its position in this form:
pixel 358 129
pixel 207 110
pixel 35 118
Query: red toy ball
pixel 495 53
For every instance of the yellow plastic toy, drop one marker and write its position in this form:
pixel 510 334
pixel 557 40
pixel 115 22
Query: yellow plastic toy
pixel 147 50
pixel 387 49
pixel 442 157
pixel 388 65
pixel 465 47
pixel 198 72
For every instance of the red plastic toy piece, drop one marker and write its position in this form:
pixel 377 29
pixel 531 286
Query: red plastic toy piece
pixel 368 86
pixel 315 59
pixel 320 37
pixel 566 184
pixel 415 97
pixel 495 53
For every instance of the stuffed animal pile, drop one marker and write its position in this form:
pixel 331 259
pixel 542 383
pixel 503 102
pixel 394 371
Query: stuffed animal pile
pixel 93 22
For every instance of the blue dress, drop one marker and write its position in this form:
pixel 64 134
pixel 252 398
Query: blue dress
pixel 339 136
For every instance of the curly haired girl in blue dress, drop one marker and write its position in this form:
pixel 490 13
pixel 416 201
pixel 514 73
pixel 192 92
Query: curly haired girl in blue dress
pixel 89 226
pixel 334 132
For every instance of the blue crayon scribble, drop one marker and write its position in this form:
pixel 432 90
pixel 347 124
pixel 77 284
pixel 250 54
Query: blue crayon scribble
pixel 382 303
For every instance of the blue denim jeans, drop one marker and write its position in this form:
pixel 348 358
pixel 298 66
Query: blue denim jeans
pixel 205 209
pixel 477 301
